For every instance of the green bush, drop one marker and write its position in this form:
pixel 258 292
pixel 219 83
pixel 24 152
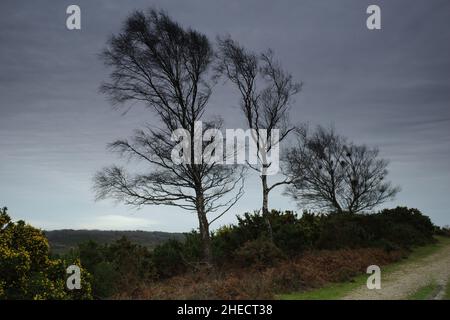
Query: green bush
pixel 105 279
pixel 121 265
pixel 390 228
pixel 27 272
pixel 168 259
pixel 344 230
pixel 294 235
pixel 290 234
pixel 405 227
pixel 259 252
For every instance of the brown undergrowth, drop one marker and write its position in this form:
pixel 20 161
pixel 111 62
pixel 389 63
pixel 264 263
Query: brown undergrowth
pixel 311 270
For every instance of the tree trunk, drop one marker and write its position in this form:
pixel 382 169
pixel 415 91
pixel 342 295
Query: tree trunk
pixel 265 206
pixel 204 229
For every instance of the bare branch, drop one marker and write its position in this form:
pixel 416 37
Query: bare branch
pixel 331 173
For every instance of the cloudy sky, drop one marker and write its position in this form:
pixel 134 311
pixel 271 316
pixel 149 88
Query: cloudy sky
pixel 388 88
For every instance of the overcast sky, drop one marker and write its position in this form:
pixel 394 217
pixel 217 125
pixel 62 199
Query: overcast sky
pixel 388 88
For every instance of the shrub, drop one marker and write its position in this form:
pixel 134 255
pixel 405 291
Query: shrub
pixel 90 253
pixel 133 262
pixel 391 228
pixel 290 234
pixel 248 243
pixel 344 230
pixel 260 252
pixel 168 260
pixel 405 227
pixel 121 265
pixel 192 247
pixel 27 272
pixel 225 241
pixel 105 279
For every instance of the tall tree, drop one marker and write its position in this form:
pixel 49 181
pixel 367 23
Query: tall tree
pixel 331 173
pixel 156 61
pixel 266 95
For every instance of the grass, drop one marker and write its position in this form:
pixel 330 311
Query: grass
pixel 330 292
pixel 447 291
pixel 336 291
pixel 424 251
pixel 425 292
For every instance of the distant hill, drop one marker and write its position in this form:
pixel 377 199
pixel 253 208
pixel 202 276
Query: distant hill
pixel 63 240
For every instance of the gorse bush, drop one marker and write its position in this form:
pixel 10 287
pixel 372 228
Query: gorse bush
pixel 290 234
pixel 406 227
pixel 168 259
pixel 391 228
pixel 260 252
pixel 121 265
pixel 248 242
pixel 27 272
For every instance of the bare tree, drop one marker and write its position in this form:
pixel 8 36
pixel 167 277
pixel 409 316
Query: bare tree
pixel 331 173
pixel 157 62
pixel 266 94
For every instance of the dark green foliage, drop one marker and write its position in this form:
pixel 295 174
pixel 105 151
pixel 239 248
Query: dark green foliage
pixel 192 247
pixel 224 243
pixel 133 263
pixel 389 229
pixel 291 234
pixel 260 252
pixel 405 227
pixel 91 253
pixel 105 276
pixel 168 259
pixel 345 230
pixel 400 227
pixel 121 265
pixel 174 257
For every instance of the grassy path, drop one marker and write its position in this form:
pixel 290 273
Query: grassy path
pixel 424 275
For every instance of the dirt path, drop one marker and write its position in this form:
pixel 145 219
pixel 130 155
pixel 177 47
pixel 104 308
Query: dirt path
pixel 408 278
